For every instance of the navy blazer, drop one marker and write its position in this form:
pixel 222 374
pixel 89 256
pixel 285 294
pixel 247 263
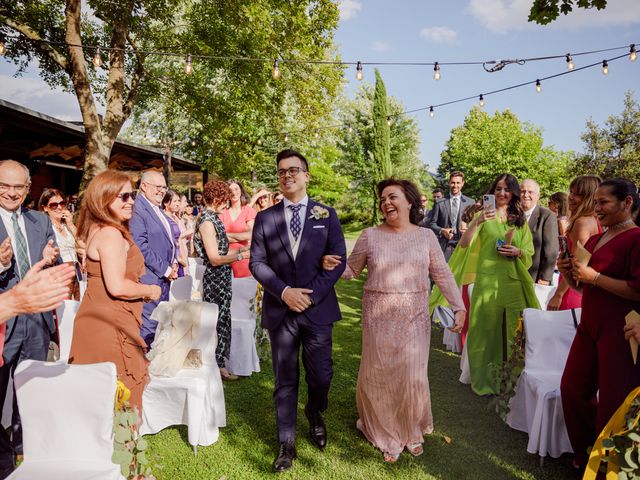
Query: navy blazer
pixel 150 235
pixel 272 264
pixel 39 231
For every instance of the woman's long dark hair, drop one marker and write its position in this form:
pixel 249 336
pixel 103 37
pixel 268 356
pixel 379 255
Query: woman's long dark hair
pixel 622 188
pixel 515 213
pixel 411 192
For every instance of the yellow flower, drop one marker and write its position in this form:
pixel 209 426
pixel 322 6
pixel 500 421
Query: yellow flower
pixel 122 395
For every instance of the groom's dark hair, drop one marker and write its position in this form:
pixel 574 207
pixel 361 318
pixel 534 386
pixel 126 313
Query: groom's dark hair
pixel 286 153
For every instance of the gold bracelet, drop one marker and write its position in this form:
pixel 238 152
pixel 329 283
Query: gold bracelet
pixel 595 279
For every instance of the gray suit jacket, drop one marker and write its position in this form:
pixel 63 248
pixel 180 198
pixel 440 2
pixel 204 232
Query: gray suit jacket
pixel 441 218
pixel 39 232
pixel 544 228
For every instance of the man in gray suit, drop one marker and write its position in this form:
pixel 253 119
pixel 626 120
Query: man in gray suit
pixel 446 213
pixel 544 229
pixel 27 337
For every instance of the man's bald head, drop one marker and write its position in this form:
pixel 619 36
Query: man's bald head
pixel 529 193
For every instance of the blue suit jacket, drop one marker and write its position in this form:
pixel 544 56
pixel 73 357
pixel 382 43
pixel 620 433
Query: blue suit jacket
pixel 39 232
pixel 152 238
pixel 272 263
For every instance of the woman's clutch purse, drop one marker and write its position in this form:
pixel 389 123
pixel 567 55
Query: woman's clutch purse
pixel 193 360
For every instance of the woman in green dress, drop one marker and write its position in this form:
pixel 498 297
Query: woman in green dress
pixel 494 254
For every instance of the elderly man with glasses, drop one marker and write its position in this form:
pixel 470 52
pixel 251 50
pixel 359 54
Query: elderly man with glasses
pixel 151 232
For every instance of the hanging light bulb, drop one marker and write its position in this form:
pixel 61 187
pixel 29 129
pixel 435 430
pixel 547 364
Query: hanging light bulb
pixel 481 101
pixel 389 120
pixel 632 52
pixel 259 141
pixel 431 112
pixel 570 64
pixel 286 137
pixel 3 46
pixel 349 128
pixel 193 143
pixel 436 71
pixel 605 67
pixel 188 67
pixel 97 58
pixel 538 86
pixel 276 70
pixel 317 134
pixel 359 71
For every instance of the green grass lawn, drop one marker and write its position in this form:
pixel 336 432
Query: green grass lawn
pixel 482 446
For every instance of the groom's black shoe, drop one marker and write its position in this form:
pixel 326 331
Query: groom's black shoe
pixel 317 429
pixel 285 456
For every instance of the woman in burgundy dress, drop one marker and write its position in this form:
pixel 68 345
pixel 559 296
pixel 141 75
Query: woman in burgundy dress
pixel 600 371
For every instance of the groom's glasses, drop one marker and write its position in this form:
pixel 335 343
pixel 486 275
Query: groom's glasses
pixel 292 171
pixel 125 196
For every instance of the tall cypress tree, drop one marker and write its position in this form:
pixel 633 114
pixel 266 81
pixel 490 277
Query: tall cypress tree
pixel 381 129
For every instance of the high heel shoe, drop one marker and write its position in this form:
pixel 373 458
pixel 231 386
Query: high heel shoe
pixel 226 376
pixel 390 457
pixel 415 449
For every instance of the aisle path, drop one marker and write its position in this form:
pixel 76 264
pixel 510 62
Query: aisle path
pixel 482 446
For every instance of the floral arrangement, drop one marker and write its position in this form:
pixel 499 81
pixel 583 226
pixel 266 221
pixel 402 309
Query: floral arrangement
pixel 128 447
pixel 318 213
pixel 263 344
pixel 508 373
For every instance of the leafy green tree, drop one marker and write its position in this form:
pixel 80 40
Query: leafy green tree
pixel 614 149
pixel 486 145
pixel 546 11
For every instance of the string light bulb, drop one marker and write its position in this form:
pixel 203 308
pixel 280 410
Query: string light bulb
pixel 286 137
pixel 538 86
pixel 605 67
pixel 570 64
pixel 349 128
pixel 97 58
pixel 436 71
pixel 359 71
pixel 431 112
pixel 188 66
pixel 193 143
pixel 317 134
pixel 389 120
pixel 633 55
pixel 481 101
pixel 276 69
pixel 3 46
pixel 259 141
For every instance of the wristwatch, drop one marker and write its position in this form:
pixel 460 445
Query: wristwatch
pixel 240 257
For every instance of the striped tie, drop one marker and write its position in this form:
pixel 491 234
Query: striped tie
pixel 22 256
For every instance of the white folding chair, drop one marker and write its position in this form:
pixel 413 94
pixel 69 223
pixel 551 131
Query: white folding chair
pixel 536 407
pixel 67 421
pixel 66 314
pixel 243 357
pixel 544 294
pixel 194 397
pixel 180 288
pixel 196 272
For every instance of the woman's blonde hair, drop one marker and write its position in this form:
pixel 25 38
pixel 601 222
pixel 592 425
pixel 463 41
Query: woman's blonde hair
pixel 585 186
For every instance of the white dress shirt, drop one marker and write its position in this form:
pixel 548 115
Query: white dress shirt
pixel 528 213
pixel 8 224
pixel 295 244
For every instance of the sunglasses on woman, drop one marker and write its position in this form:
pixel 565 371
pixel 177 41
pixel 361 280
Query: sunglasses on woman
pixel 125 196
pixel 54 205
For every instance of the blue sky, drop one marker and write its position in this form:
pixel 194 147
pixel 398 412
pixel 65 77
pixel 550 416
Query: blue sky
pixel 458 30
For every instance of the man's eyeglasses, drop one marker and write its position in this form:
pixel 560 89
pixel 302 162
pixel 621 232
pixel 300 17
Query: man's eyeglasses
pixel 292 171
pixel 125 196
pixel 160 188
pixel 54 205
pixel 18 188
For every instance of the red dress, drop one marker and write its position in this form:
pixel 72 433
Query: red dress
pixel 239 225
pixel 600 372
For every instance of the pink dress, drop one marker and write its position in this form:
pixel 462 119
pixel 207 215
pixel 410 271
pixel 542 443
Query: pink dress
pixel 239 225
pixel 392 393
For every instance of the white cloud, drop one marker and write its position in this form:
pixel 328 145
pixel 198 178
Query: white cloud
pixel 379 46
pixel 349 8
pixel 35 94
pixel 502 16
pixel 439 34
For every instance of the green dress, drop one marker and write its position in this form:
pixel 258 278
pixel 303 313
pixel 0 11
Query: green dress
pixel 502 289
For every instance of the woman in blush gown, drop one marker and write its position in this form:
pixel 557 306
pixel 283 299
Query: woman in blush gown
pixel 392 393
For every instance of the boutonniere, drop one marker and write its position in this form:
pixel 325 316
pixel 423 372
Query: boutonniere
pixel 318 213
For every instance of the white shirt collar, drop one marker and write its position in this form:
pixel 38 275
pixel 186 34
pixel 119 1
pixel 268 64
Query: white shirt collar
pixel 6 214
pixel 302 202
pixel 529 212
pixel 459 196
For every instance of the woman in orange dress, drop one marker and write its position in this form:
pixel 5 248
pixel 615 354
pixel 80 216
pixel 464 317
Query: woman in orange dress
pixel 238 221
pixel 107 326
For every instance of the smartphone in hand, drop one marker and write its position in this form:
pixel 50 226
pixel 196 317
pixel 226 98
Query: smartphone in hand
pixel 489 202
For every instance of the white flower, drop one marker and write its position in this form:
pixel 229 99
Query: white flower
pixel 318 213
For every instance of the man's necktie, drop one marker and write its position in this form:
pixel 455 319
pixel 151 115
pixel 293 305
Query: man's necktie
pixel 22 256
pixel 294 224
pixel 455 208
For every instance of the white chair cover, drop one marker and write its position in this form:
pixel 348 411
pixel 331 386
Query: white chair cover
pixel 536 408
pixel 67 421
pixel 196 272
pixel 66 314
pixel 544 294
pixel 243 357
pixel 180 288
pixel 194 397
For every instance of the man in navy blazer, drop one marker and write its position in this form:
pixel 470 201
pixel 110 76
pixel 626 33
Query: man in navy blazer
pixel 300 303
pixel 151 232
pixel 27 336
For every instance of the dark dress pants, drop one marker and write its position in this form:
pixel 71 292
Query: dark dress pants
pixel 148 328
pixel 27 339
pixel 296 330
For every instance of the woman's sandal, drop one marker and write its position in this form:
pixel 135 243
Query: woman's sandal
pixel 415 449
pixel 390 457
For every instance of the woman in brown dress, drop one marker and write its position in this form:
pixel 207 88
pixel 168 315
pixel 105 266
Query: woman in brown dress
pixel 107 326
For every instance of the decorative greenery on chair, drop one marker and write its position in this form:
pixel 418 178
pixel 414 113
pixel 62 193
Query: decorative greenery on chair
pixel 508 373
pixel 128 447
pixel 623 447
pixel 263 344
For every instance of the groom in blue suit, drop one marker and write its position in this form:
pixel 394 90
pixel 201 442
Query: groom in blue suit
pixel 300 304
pixel 151 232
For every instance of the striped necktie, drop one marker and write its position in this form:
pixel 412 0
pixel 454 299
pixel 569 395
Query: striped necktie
pixel 22 256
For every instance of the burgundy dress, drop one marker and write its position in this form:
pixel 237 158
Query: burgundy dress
pixel 600 372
